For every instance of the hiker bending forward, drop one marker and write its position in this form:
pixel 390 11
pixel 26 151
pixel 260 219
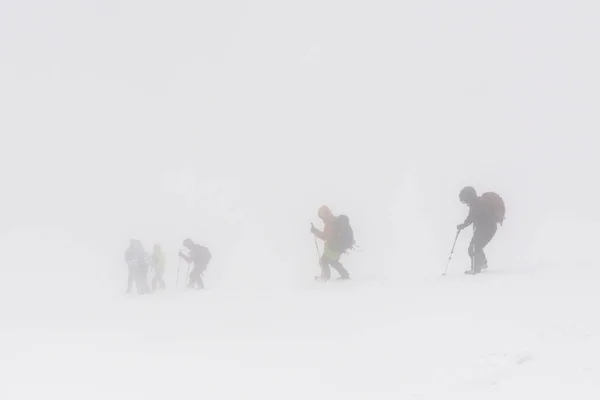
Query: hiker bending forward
pixel 200 256
pixel 485 213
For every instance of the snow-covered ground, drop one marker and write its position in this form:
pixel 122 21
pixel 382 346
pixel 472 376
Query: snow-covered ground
pixel 231 122
pixel 512 332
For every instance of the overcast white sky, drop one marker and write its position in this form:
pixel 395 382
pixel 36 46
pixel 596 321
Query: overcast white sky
pixel 232 121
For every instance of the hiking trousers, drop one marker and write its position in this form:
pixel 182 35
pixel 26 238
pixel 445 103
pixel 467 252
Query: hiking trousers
pixel 141 281
pixel 158 279
pixel 482 236
pixel 196 276
pixel 130 277
pixel 326 263
pixel 138 275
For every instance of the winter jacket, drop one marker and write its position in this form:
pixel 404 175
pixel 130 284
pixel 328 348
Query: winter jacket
pixel 199 255
pixel 479 215
pixel 327 232
pixel 158 260
pixel 134 257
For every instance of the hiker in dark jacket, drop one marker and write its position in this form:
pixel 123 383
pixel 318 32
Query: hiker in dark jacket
pixel 137 263
pixel 481 216
pixel 331 256
pixel 200 256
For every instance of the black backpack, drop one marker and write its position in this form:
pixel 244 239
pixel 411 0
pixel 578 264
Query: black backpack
pixel 201 255
pixel 495 206
pixel 343 236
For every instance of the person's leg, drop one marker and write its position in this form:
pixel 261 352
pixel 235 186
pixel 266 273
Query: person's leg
pixel 471 252
pixel 481 238
pixel 193 277
pixel 339 267
pixel 200 281
pixel 142 282
pixel 325 271
pixel 139 285
pixel 157 280
pixel 161 278
pixel 331 259
pixel 196 277
pixel 130 278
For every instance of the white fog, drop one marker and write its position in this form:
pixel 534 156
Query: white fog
pixel 231 123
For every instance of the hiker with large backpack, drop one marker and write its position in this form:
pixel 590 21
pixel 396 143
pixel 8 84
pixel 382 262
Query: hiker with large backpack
pixel 485 213
pixel 200 256
pixel 338 237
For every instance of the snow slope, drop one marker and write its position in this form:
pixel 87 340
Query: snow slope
pixel 231 122
pixel 512 332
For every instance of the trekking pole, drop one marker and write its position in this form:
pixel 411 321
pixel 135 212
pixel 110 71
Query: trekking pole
pixel 188 273
pixel 178 268
pixel 318 256
pixel 151 272
pixel 451 252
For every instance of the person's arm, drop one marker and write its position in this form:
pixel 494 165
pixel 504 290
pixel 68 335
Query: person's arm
pixel 468 221
pixel 127 256
pixel 324 235
pixel 185 257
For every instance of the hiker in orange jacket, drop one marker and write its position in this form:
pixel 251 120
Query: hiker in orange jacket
pixel 330 257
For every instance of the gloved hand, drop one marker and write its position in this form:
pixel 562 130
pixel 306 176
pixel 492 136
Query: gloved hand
pixel 460 227
pixel 312 228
